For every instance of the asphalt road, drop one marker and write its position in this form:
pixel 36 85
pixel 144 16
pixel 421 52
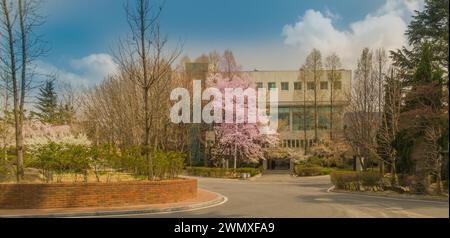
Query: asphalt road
pixel 280 195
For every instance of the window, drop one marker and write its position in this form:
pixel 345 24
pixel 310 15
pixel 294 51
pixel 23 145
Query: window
pixel 285 86
pixel 259 85
pixel 297 119
pixel 297 143
pixel 289 143
pixel 297 86
pixel 283 119
pixel 272 85
pixel 311 86
pixel 324 118
pixel 337 85
pixel 323 85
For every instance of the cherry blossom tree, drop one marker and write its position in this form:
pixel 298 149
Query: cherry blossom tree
pixel 239 138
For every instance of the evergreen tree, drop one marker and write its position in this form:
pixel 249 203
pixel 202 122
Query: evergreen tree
pixel 66 113
pixel 47 103
pixel 424 120
pixel 430 25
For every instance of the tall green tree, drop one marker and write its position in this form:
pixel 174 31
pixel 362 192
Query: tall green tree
pixel 430 25
pixel 423 134
pixel 47 103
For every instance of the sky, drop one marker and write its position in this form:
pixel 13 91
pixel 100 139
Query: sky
pixel 263 34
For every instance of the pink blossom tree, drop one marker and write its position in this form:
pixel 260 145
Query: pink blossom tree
pixel 239 138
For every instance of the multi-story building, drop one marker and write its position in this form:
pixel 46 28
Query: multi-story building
pixel 303 100
pixel 298 94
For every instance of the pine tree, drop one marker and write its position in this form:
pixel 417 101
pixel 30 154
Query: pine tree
pixel 47 104
pixel 430 25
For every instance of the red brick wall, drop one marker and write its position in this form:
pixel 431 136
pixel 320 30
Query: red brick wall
pixel 42 196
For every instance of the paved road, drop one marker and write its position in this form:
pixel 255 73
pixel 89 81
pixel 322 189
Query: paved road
pixel 280 195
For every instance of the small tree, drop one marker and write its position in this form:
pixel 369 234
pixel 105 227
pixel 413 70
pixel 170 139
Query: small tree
pixel 243 140
pixel 389 126
pixel 144 60
pixel 333 63
pixel 313 67
pixel 47 103
pixel 363 115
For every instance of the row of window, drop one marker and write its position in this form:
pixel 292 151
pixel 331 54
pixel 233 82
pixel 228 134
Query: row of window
pixel 298 118
pixel 337 85
pixel 297 143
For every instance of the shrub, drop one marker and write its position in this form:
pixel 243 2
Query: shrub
pixel 6 170
pixel 416 184
pixel 251 171
pixel 60 158
pixel 357 181
pixel 301 170
pixel 208 172
pixel 167 165
pixel 315 161
pixel 220 172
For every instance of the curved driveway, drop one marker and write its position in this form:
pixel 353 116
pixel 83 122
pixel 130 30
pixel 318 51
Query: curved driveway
pixel 280 195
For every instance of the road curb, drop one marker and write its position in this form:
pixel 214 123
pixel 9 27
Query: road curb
pixel 333 190
pixel 220 199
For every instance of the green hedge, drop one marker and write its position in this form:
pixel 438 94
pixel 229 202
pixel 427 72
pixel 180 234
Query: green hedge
pixel 357 181
pixel 251 171
pixel 220 172
pixel 301 170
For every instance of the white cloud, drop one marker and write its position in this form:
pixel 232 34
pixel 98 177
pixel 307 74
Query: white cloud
pixel 87 71
pixel 97 66
pixel 385 28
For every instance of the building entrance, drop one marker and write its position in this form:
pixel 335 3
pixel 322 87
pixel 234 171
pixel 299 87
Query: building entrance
pixel 278 164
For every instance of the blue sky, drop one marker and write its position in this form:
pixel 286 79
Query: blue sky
pixel 264 34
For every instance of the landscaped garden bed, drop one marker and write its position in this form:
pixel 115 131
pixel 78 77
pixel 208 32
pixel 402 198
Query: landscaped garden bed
pixel 68 175
pixel 375 182
pixel 316 166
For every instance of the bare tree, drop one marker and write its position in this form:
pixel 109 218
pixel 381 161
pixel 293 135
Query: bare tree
pixel 21 47
pixel 333 64
pixel 305 118
pixel 434 161
pixel 313 66
pixel 214 62
pixel 144 59
pixel 363 112
pixel 379 71
pixel 389 126
pixel 228 64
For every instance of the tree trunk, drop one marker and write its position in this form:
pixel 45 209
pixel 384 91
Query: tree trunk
pixel 331 108
pixel 438 183
pixel 316 124
pixel 13 73
pixel 381 167
pixel 147 153
pixel 23 89
pixel 235 157
pixel 304 112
